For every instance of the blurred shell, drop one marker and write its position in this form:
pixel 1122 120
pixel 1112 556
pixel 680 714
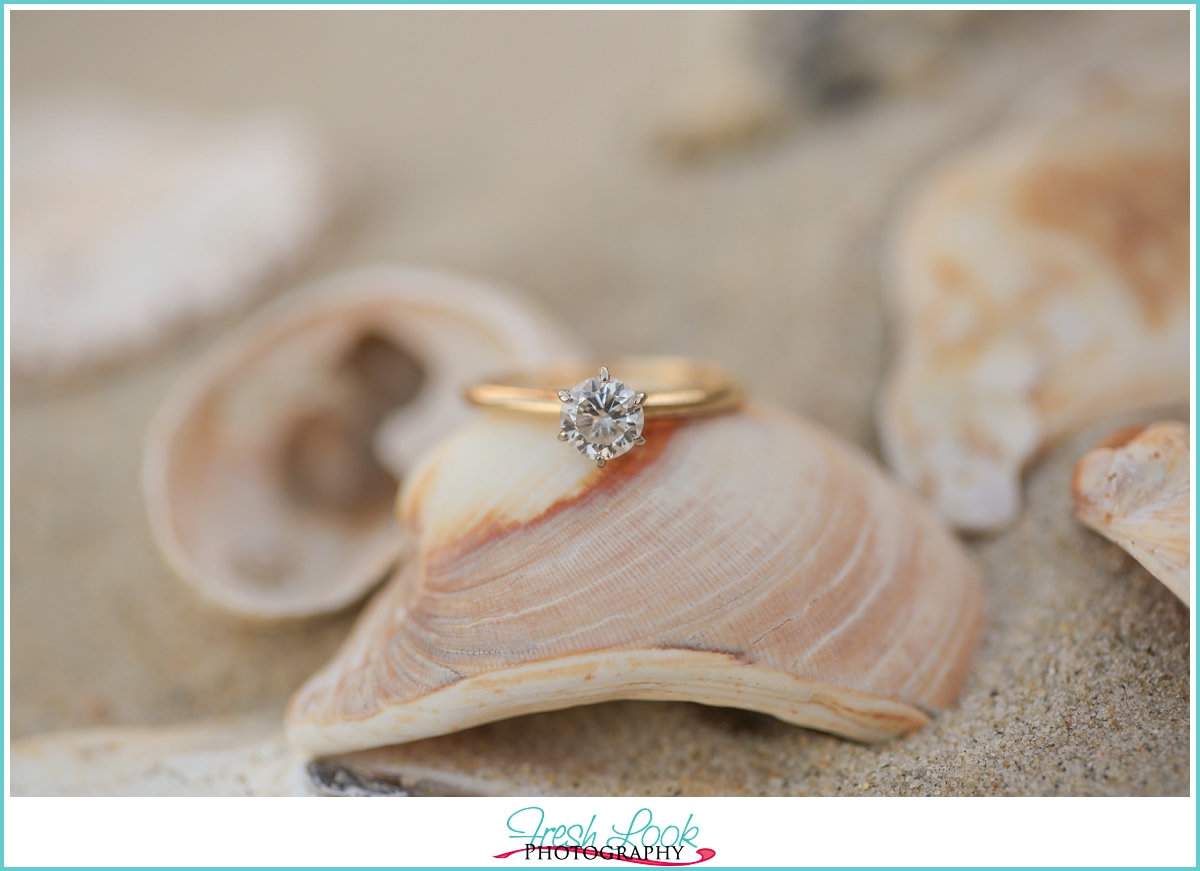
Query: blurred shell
pixel 242 754
pixel 749 560
pixel 131 220
pixel 747 75
pixel 1134 489
pixel 237 754
pixel 721 99
pixel 270 472
pixel 1041 282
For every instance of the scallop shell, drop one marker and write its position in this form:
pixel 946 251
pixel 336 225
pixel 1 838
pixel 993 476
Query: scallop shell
pixel 1135 490
pixel 748 560
pixel 131 220
pixel 1041 282
pixel 261 475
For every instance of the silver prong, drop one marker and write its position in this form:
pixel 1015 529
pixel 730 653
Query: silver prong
pixel 603 373
pixel 564 396
pixel 600 461
pixel 639 399
pixel 639 441
pixel 562 435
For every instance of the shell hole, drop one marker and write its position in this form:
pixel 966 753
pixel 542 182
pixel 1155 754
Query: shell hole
pixel 386 372
pixel 328 464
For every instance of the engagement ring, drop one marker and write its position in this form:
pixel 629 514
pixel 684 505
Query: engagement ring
pixel 603 416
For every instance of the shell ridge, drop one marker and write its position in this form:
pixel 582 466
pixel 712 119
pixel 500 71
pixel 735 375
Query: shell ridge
pixel 829 636
pixel 859 545
pixel 960 631
pixel 811 552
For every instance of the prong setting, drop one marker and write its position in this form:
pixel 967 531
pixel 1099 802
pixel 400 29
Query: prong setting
pixel 601 417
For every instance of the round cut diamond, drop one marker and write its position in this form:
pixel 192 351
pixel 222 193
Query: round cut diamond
pixel 602 419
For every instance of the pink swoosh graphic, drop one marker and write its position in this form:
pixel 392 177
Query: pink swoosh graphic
pixel 705 855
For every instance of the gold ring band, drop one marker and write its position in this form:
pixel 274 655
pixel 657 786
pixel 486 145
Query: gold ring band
pixel 674 387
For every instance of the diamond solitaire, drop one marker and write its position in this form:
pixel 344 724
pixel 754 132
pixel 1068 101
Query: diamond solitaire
pixel 601 417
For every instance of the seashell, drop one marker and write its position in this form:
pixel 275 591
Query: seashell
pixel 1135 490
pixel 1041 282
pixel 240 754
pixel 235 754
pixel 130 221
pixel 261 472
pixel 746 76
pixel 721 99
pixel 747 560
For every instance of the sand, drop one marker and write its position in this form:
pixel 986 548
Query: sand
pixel 514 147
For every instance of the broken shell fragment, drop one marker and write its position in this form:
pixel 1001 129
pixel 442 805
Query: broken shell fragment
pixel 1040 282
pixel 1134 489
pixel 131 221
pixel 271 470
pixel 749 560
pixel 239 754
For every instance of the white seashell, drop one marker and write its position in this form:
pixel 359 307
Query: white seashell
pixel 1041 282
pixel 130 221
pixel 720 99
pixel 262 484
pixel 1135 490
pixel 746 560
pixel 242 754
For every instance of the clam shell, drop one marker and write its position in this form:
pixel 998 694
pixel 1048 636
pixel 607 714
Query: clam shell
pixel 1040 281
pixel 271 470
pixel 748 560
pixel 131 220
pixel 1134 489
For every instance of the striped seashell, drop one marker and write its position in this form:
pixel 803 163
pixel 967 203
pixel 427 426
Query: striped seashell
pixel 750 560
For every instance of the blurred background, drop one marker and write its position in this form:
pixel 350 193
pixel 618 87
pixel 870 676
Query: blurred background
pixel 705 183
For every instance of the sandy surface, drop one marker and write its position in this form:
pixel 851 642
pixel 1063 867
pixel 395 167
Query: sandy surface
pixel 518 147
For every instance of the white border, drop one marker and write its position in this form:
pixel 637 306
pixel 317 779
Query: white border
pixel 467 832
